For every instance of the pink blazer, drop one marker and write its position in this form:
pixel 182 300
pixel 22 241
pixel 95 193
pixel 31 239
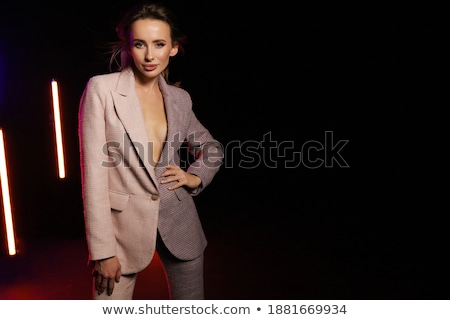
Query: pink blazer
pixel 124 202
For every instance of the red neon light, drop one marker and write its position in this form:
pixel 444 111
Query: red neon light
pixel 6 198
pixel 58 131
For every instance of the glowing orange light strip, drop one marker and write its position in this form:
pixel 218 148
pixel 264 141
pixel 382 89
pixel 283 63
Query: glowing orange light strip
pixel 6 198
pixel 58 131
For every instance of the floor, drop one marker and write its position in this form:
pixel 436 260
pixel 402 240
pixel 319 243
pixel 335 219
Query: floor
pixel 253 259
pixel 55 268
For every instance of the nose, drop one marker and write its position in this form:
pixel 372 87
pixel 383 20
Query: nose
pixel 149 56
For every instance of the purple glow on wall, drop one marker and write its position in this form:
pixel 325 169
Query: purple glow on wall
pixel 2 80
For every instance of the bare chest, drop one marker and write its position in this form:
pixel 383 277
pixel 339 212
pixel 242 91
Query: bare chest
pixel 155 120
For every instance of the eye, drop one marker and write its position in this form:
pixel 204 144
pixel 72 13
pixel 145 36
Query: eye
pixel 160 44
pixel 139 44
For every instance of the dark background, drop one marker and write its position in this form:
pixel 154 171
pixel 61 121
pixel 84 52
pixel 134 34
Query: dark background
pixel 292 71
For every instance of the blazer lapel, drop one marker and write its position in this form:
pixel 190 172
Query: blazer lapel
pixel 129 111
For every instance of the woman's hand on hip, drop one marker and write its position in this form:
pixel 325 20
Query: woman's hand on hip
pixel 174 173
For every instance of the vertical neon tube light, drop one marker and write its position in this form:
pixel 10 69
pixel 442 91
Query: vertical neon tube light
pixel 58 131
pixel 6 198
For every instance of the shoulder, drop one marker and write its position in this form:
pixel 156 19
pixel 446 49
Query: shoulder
pixel 179 93
pixel 102 84
pixel 104 79
pixel 180 96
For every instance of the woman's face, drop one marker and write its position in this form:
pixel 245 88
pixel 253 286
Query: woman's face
pixel 151 46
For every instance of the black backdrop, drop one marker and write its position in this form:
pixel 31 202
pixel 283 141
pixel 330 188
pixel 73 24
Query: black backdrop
pixel 294 73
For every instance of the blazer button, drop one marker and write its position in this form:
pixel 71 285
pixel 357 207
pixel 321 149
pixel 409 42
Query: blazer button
pixel 155 197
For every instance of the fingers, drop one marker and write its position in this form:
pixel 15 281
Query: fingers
pixel 98 281
pixel 172 166
pixel 106 273
pixel 110 287
pixel 177 183
pixel 172 171
pixel 174 174
pixel 103 283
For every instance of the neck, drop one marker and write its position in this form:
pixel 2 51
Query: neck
pixel 148 86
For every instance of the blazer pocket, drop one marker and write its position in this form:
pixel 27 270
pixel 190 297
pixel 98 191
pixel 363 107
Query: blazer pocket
pixel 118 200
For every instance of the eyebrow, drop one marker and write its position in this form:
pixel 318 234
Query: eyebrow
pixel 157 40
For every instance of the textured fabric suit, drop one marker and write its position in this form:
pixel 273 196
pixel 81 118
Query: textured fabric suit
pixel 124 201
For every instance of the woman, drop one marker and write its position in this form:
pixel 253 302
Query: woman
pixel 137 198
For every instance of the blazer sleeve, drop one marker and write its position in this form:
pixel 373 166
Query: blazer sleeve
pixel 92 139
pixel 207 152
